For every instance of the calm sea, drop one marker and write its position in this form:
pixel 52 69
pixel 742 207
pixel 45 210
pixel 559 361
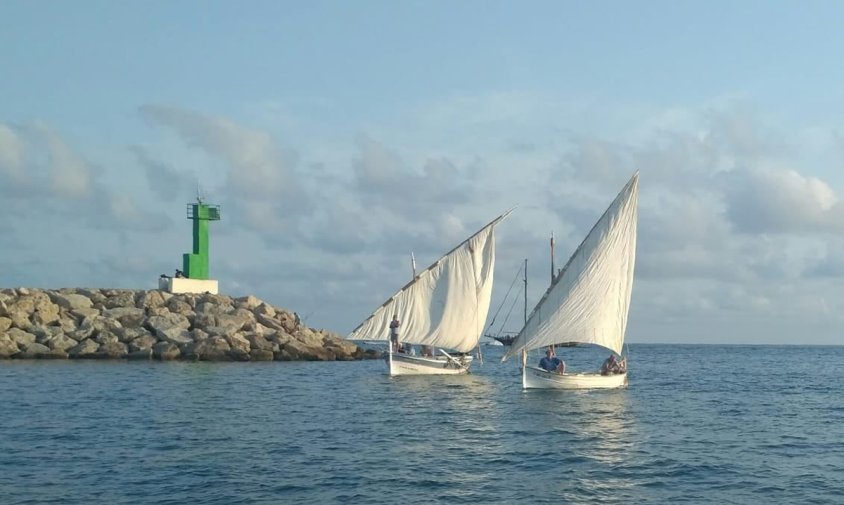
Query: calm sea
pixel 698 424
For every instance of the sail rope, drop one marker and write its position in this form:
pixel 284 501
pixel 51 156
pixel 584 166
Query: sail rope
pixel 507 318
pixel 501 305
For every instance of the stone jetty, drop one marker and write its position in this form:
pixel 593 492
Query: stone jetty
pixel 128 324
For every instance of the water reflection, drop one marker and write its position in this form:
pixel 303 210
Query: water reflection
pixel 594 435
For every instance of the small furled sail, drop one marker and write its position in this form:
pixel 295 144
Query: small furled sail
pixel 590 299
pixel 447 304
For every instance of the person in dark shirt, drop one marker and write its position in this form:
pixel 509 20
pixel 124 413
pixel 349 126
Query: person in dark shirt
pixel 613 366
pixel 394 332
pixel 552 363
pixel 609 367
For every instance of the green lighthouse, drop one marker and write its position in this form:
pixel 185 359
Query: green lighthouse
pixel 194 276
pixel 195 264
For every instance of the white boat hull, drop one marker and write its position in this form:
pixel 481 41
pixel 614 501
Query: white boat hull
pixel 537 378
pixel 402 364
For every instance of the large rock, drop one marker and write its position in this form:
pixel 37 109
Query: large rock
pixel 248 302
pixel 105 337
pixel 24 304
pixel 127 316
pixel 158 311
pixel 270 322
pixel 204 320
pixel 162 323
pixel 67 323
pixel 308 337
pixel 120 300
pixel 60 342
pixel 166 351
pixel 46 312
pixel 94 325
pixel 20 337
pixel 289 321
pixel 5 324
pixel 179 306
pixel 83 313
pixel 40 351
pixel 112 350
pixel 265 310
pixel 175 335
pixel 127 335
pixel 199 335
pixel 238 343
pixel 205 307
pixel 213 348
pixel 142 343
pixel 260 342
pixel 221 331
pixel 279 337
pixel 19 313
pixel 260 355
pixel 150 299
pixel 71 301
pixel 342 349
pixel 295 350
pixel 84 349
pixel 240 319
pixel 8 347
pixel 95 295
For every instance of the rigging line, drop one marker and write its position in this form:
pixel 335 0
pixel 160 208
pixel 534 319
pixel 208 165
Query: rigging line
pixel 505 297
pixel 512 306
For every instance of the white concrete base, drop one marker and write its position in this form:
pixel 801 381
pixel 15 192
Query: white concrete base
pixel 184 285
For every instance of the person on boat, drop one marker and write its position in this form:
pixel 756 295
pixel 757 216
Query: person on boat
pixel 394 332
pixel 609 365
pixel 427 351
pixel 613 366
pixel 552 363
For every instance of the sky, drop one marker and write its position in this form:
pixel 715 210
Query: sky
pixel 340 137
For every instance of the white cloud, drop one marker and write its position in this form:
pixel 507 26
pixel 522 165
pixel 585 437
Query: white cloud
pixel 384 180
pixel 781 201
pixel 163 179
pixel 259 167
pixel 11 154
pixel 70 175
pixel 261 186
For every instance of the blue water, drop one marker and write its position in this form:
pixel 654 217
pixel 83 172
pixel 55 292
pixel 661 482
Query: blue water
pixel 698 424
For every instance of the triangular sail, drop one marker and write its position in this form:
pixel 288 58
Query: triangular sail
pixel 589 301
pixel 447 304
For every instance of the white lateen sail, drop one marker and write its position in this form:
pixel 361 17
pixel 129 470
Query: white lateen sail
pixel 446 305
pixel 589 300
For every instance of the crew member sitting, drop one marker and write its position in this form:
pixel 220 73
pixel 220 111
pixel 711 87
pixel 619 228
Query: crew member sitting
pixel 613 366
pixel 552 363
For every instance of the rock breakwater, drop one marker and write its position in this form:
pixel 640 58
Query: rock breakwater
pixel 132 324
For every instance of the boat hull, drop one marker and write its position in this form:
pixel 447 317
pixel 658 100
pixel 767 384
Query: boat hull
pixel 537 378
pixel 402 364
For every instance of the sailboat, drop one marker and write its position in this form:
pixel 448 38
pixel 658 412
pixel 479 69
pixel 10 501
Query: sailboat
pixel 588 300
pixel 444 307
